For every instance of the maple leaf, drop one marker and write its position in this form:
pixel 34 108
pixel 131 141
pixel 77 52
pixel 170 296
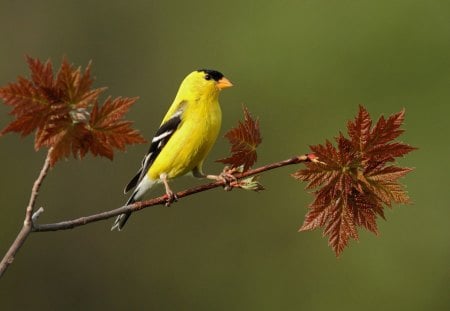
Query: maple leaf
pixel 109 130
pixel 244 138
pixel 63 110
pixel 353 180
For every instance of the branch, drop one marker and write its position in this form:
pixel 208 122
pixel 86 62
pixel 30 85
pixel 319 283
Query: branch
pixel 30 217
pixel 28 222
pixel 70 224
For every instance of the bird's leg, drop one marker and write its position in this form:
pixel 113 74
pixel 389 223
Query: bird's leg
pixel 226 176
pixel 171 196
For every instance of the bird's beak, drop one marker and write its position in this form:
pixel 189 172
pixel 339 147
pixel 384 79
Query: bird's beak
pixel 224 83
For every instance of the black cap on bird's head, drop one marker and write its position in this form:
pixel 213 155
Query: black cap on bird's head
pixel 212 74
pixel 221 81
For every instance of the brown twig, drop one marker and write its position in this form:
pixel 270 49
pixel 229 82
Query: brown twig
pixel 30 226
pixel 70 224
pixel 28 222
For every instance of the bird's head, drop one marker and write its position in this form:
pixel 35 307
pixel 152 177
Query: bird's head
pixel 205 82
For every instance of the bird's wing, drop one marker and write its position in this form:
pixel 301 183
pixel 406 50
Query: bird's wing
pixel 160 139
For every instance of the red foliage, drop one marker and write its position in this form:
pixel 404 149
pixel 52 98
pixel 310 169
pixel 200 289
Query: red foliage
pixel 65 113
pixel 244 139
pixel 355 180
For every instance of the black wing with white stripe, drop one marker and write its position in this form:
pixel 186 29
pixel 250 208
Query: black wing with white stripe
pixel 160 139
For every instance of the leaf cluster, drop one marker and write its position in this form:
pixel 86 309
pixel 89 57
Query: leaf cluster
pixel 63 110
pixel 356 179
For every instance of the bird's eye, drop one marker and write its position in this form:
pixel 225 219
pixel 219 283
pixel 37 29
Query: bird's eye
pixel 207 77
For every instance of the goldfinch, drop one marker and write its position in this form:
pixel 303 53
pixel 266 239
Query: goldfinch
pixel 184 138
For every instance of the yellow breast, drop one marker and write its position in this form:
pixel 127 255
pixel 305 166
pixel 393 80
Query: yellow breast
pixel 191 142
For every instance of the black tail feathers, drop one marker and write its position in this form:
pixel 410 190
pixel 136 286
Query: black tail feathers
pixel 122 219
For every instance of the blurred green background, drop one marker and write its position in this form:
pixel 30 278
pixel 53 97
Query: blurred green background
pixel 302 67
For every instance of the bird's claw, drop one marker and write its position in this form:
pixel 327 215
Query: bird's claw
pixel 171 197
pixel 228 178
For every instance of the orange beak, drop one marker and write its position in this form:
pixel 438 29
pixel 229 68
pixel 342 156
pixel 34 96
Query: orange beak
pixel 224 83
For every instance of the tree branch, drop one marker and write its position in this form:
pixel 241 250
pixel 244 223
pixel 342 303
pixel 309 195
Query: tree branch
pixel 30 226
pixel 28 222
pixel 70 224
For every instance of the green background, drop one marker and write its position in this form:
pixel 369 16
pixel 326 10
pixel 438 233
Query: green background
pixel 302 67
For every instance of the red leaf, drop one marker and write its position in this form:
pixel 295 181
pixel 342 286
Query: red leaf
pixel 316 217
pixel 387 130
pixel 387 152
pixel 353 181
pixel 71 140
pixel 388 173
pixel 41 74
pixel 340 228
pixel 243 139
pixel 109 130
pixel 30 106
pixel 359 130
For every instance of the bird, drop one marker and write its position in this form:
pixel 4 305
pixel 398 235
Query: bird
pixel 185 137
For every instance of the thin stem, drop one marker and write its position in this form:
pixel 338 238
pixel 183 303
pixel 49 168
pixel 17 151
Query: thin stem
pixel 35 190
pixel 28 222
pixel 70 224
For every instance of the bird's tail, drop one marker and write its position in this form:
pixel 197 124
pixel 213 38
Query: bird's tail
pixel 143 186
pixel 123 218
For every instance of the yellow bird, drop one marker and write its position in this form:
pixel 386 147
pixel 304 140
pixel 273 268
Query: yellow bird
pixel 184 138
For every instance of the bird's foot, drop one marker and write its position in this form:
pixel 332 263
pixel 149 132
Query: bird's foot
pixel 227 177
pixel 171 197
